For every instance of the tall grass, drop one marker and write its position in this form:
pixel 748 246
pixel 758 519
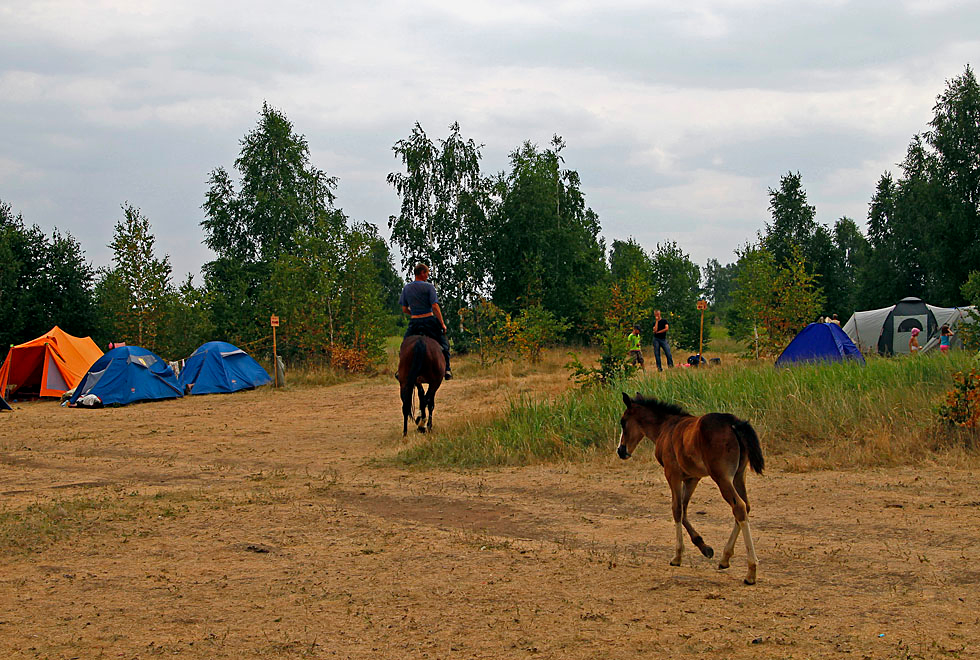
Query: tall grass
pixel 810 416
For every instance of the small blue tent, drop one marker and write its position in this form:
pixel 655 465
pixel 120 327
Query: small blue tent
pixel 128 374
pixel 4 405
pixel 220 367
pixel 820 342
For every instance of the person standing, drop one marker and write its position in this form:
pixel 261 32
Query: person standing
pixel 914 342
pixel 633 344
pixel 660 328
pixel 420 301
pixel 945 338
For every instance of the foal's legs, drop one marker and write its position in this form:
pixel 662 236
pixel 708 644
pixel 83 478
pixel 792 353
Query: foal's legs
pixel 689 485
pixel 678 496
pixel 739 483
pixel 740 511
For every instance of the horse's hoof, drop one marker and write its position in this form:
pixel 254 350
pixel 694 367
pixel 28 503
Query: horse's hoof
pixel 675 562
pixel 707 551
pixel 748 581
pixel 722 567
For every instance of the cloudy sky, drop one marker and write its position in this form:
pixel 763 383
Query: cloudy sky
pixel 678 115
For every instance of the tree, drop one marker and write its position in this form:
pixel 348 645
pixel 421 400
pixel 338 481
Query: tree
pixel 775 302
pixel 924 228
pixel 853 250
pixel 280 193
pixel 43 282
pixel 719 283
pixel 142 280
pixel 546 246
pixel 283 248
pixel 793 219
pixel 443 216
pixel 677 280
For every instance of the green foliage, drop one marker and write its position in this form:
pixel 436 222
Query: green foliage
pixel 443 216
pixel 284 249
pixel 545 243
pixel 774 301
pixel 140 290
pixel 677 281
pixel 613 363
pixel 485 328
pixel 280 193
pixel 43 282
pixel 533 329
pixel 970 332
pixel 833 414
pixel 719 284
pixel 630 302
pixel 961 405
pixel 498 335
pixel 922 227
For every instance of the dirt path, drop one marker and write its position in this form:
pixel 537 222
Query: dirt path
pixel 262 525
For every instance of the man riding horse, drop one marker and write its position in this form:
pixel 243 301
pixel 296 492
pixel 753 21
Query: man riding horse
pixel 420 301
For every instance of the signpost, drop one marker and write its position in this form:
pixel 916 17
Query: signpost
pixel 274 322
pixel 702 305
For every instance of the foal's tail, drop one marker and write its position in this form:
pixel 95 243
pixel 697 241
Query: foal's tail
pixel 749 442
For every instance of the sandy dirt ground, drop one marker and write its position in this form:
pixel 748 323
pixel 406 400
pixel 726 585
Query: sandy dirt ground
pixel 269 524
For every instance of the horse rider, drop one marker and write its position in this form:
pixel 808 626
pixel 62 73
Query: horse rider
pixel 420 301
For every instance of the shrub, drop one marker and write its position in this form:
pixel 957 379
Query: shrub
pixel 961 405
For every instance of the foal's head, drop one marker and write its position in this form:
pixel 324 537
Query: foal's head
pixel 643 417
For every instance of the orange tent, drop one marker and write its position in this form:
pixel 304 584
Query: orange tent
pixel 50 365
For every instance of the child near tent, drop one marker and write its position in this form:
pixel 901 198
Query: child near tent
pixel 914 342
pixel 945 338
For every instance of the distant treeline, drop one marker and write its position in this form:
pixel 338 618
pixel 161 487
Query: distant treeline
pixel 518 249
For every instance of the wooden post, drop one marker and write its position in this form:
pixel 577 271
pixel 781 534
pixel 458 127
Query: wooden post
pixel 702 305
pixel 274 322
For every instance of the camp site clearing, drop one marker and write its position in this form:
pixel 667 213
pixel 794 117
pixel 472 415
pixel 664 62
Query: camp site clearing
pixel 267 524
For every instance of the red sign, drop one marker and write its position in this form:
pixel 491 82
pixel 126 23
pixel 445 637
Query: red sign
pixel 274 321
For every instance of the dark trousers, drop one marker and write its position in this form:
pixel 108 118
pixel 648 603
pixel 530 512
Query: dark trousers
pixel 430 327
pixel 659 343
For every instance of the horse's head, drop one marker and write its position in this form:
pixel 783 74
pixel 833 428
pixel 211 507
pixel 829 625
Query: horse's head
pixel 632 430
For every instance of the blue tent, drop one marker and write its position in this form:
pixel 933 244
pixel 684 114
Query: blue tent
pixel 128 374
pixel 820 342
pixel 218 366
pixel 4 405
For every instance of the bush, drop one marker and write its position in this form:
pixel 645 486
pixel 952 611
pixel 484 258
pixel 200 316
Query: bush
pixel 613 363
pixel 961 405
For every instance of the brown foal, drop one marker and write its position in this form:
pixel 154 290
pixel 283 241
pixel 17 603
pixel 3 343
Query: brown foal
pixel 689 448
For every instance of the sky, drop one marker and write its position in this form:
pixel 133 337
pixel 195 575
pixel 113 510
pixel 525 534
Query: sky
pixel 678 116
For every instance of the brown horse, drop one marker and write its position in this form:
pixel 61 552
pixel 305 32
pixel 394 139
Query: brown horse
pixel 689 448
pixel 420 360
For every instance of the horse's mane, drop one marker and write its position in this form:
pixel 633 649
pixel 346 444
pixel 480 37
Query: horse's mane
pixel 660 407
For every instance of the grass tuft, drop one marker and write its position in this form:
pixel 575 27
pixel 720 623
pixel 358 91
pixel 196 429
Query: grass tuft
pixel 811 416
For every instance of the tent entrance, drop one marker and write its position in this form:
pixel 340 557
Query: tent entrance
pixel 25 380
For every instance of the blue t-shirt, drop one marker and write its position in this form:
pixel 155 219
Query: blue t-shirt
pixel 419 296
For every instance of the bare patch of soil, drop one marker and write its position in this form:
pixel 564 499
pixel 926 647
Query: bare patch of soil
pixel 258 525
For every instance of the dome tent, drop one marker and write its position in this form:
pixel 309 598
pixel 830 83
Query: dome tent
pixel 50 365
pixel 4 405
pixel 126 375
pixel 220 367
pixel 820 342
pixel 869 329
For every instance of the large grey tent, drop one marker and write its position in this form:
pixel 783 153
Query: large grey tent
pixel 887 330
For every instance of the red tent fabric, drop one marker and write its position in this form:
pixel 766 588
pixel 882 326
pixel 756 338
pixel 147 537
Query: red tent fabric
pixel 50 365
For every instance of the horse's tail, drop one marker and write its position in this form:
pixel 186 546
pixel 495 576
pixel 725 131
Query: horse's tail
pixel 418 357
pixel 749 443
